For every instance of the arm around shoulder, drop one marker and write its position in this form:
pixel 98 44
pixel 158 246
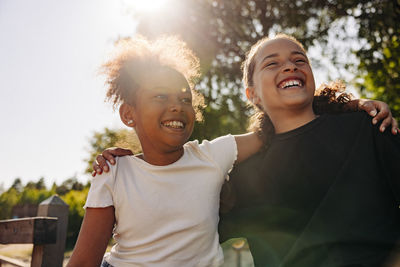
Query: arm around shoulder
pixel 93 237
pixel 247 145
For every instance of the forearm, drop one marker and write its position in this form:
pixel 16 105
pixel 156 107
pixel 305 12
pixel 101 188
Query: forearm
pixel 353 105
pixel 93 237
pixel 247 145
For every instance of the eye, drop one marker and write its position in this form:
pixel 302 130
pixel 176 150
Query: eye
pixel 301 60
pixel 270 64
pixel 161 97
pixel 186 100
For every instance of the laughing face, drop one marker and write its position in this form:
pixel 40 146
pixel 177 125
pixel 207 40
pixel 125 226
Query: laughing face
pixel 283 79
pixel 162 113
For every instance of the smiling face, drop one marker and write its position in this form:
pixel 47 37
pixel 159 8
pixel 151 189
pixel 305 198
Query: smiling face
pixel 162 112
pixel 283 79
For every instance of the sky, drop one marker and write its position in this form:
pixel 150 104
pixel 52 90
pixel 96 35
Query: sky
pixel 52 100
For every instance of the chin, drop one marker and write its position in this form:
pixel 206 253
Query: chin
pixel 299 101
pixel 177 144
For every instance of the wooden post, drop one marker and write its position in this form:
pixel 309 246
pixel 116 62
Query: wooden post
pixel 52 254
pixel 35 230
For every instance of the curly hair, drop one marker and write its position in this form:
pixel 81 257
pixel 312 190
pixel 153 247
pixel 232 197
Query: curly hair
pixel 329 98
pixel 136 59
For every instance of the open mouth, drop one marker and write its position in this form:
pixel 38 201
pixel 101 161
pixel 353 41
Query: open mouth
pixel 173 124
pixel 290 83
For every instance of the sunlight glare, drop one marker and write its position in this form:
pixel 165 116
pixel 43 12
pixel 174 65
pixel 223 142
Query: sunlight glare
pixel 145 6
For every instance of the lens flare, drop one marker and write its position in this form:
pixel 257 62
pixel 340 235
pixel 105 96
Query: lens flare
pixel 145 6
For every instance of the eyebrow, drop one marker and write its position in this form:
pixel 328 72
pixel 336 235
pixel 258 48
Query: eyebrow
pixel 276 54
pixel 269 56
pixel 298 53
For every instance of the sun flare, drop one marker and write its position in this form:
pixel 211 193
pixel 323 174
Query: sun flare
pixel 145 6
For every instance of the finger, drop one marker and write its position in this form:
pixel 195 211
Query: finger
pixel 101 161
pixel 96 168
pixel 121 152
pixel 385 123
pixel 368 107
pixel 108 155
pixel 395 126
pixel 383 113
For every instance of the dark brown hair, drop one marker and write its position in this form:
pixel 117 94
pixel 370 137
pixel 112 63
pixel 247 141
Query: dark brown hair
pixel 329 98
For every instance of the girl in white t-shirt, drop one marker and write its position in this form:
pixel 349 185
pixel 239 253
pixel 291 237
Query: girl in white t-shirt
pixel 162 205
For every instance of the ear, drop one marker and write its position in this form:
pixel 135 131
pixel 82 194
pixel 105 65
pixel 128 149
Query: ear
pixel 127 114
pixel 252 95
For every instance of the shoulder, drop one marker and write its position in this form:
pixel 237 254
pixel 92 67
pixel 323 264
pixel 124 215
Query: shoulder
pixel 225 139
pixel 109 177
pixel 102 188
pixel 220 144
pixel 350 123
pixel 120 163
pixel 124 162
pixel 221 151
pixel 349 118
pixel 359 126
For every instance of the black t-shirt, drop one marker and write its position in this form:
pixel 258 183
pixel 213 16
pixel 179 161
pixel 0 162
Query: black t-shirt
pixel 324 194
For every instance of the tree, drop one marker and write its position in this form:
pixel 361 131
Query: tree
pixel 17 185
pixel 221 32
pixel 31 193
pixel 36 185
pixel 380 57
pixel 8 200
pixel 75 200
pixel 111 138
pixel 68 185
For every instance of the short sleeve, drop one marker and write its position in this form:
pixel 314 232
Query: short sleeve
pixel 222 150
pixel 101 190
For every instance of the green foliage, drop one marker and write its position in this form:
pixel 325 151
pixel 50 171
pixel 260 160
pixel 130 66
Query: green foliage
pixel 380 57
pixel 31 193
pixel 76 200
pixel 111 138
pixel 34 196
pixel 68 185
pixel 221 32
pixel 8 200
pixel 17 185
pixel 99 142
pixel 36 185
pixel 74 194
pixel 34 192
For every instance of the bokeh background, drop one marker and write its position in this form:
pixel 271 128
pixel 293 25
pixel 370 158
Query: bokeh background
pixel 53 117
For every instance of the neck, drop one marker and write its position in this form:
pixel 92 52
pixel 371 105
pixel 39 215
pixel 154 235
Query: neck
pixel 161 158
pixel 287 120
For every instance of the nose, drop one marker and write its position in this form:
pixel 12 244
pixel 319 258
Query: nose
pixel 289 66
pixel 176 106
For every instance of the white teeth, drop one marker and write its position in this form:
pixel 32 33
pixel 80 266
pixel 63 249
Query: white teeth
pixel 290 83
pixel 173 124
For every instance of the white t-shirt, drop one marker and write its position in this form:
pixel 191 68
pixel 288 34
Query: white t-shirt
pixel 167 215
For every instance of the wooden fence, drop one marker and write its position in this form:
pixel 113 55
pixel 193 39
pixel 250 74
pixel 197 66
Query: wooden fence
pixel 47 232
